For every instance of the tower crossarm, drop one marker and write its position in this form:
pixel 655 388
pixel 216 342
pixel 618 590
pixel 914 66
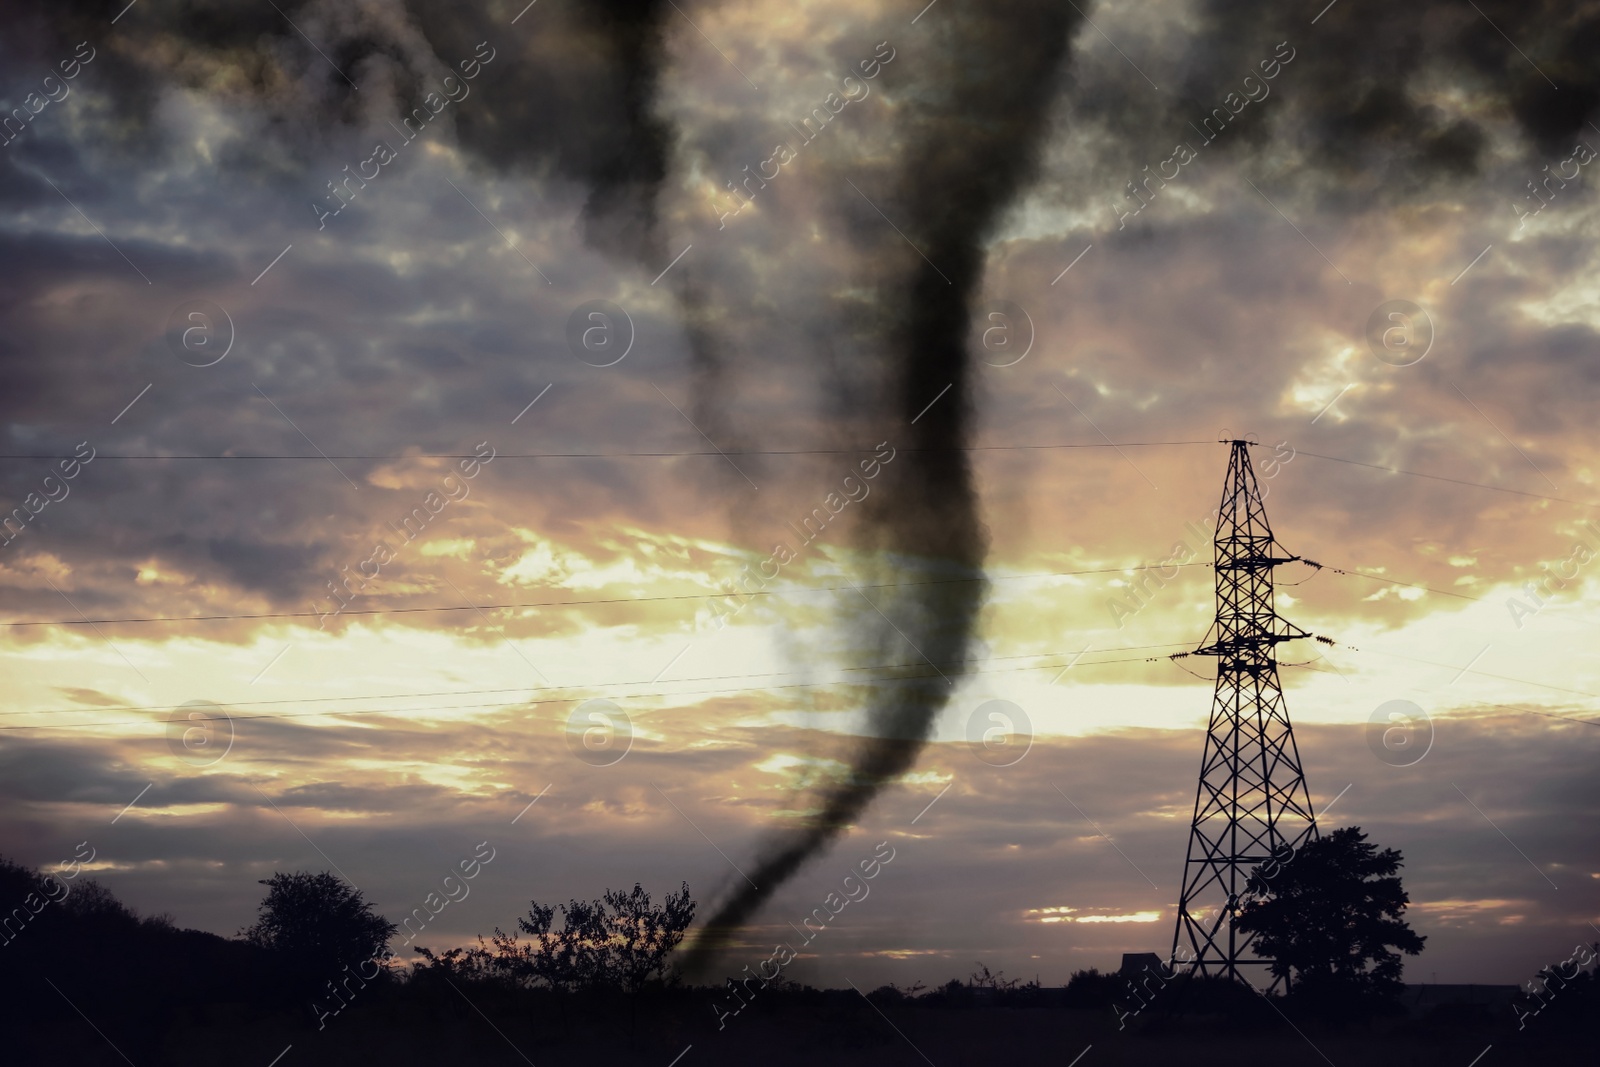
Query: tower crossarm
pixel 1255 642
pixel 1254 563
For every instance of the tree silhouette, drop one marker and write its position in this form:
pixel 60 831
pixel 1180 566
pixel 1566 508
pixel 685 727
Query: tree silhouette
pixel 997 981
pixel 318 925
pixel 564 960
pixel 640 937
pixel 1564 996
pixel 1330 920
pixel 621 942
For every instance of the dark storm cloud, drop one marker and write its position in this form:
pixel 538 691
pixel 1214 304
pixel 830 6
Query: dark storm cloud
pixel 572 98
pixel 1255 331
pixel 569 98
pixel 1381 103
pixel 581 105
pixel 327 355
pixel 45 771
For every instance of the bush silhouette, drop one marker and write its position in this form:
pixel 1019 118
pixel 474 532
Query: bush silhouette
pixel 621 942
pixel 1091 989
pixel 317 925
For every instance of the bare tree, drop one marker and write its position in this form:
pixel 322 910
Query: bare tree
pixel 639 937
pixel 620 942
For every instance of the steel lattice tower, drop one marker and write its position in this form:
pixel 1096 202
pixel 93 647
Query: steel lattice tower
pixel 1252 797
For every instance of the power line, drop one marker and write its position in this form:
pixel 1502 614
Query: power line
pixel 1391 581
pixel 586 603
pixel 1069 656
pixel 1482 674
pixel 1485 674
pixel 791 452
pixel 678 596
pixel 1546 714
pixel 1072 658
pixel 588 685
pixel 1485 703
pixel 1453 481
pixel 623 455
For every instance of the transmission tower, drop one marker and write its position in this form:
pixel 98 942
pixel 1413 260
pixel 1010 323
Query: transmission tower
pixel 1252 798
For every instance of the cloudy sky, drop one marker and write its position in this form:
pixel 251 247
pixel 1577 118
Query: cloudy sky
pixel 1005 278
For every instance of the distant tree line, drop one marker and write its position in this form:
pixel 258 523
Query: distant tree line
pixel 1331 918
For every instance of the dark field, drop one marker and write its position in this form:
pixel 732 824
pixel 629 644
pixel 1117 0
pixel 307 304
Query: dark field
pixel 408 1026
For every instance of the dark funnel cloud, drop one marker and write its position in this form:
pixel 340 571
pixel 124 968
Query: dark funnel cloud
pixel 977 98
